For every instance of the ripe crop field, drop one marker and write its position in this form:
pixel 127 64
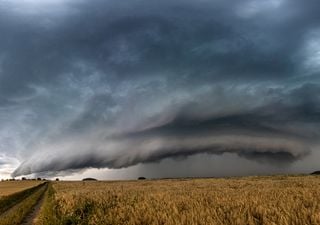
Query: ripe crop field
pixel 16 207
pixel 10 187
pixel 251 200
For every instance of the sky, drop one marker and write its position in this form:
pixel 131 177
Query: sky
pixel 172 88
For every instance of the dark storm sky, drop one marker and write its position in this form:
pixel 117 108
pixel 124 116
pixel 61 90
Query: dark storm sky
pixel 115 84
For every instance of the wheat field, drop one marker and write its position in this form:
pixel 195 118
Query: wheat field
pixel 251 200
pixel 10 187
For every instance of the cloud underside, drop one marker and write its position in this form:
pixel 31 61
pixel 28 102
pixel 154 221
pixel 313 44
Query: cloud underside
pixel 177 139
pixel 277 153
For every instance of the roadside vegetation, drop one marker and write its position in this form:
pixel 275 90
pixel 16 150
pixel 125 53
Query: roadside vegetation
pixel 6 202
pixel 17 206
pixel 251 200
pixel 48 214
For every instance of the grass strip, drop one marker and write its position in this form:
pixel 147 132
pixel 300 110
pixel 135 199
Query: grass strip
pixel 17 213
pixel 47 214
pixel 6 202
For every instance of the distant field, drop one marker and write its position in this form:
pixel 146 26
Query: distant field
pixel 10 187
pixel 18 207
pixel 252 200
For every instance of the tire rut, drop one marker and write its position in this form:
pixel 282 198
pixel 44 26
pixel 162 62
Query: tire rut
pixel 29 219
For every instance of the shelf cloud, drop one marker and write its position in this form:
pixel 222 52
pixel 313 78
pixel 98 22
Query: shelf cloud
pixel 109 84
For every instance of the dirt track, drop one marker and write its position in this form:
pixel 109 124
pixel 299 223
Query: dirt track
pixel 29 219
pixel 25 209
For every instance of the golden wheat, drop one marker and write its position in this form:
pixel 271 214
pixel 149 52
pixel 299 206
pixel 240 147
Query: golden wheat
pixel 10 187
pixel 252 200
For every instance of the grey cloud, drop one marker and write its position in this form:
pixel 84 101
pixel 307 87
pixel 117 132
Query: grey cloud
pixel 125 153
pixel 263 134
pixel 111 72
pixel 135 41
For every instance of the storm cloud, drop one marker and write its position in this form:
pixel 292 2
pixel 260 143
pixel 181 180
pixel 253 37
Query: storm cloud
pixel 109 84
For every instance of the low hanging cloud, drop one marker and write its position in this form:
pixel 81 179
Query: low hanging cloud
pixel 125 153
pixel 110 84
pixel 255 136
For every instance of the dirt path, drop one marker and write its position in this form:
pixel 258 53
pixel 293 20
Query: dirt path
pixel 29 219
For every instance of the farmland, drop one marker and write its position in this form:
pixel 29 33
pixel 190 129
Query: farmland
pixel 251 200
pixel 15 208
pixel 10 187
pixel 248 200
